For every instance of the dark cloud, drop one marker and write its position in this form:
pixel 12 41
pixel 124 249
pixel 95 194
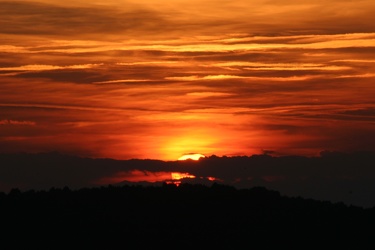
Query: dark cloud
pixel 334 176
pixel 34 18
pixel 116 21
pixel 287 128
pixel 368 112
pixel 72 76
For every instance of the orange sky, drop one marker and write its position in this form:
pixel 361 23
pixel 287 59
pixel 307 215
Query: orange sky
pixel 144 79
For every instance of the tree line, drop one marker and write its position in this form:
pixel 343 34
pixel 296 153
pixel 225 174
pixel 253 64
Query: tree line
pixel 189 215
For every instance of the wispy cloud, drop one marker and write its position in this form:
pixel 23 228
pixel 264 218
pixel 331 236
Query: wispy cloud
pixel 207 77
pixel 56 19
pixel 124 81
pixel 15 122
pixel 38 67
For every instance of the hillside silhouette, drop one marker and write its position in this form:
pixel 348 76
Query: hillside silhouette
pixel 184 217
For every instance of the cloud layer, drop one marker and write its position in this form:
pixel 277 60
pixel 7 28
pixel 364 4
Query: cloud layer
pixel 126 79
pixel 332 176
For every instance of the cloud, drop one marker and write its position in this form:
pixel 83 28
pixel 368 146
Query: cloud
pixel 331 175
pixel 33 18
pixel 208 94
pixel 207 77
pixel 282 66
pixel 13 49
pixel 17 123
pixel 361 112
pixel 125 81
pixel 125 19
pixel 135 175
pixel 68 75
pixel 37 67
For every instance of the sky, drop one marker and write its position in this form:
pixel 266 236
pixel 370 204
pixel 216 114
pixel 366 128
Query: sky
pixel 128 79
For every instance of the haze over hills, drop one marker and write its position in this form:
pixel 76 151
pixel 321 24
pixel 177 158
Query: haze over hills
pixel 332 176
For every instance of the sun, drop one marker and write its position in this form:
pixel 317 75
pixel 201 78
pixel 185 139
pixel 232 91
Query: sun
pixel 191 156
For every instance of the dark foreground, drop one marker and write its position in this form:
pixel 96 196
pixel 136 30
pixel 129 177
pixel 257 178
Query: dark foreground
pixel 184 217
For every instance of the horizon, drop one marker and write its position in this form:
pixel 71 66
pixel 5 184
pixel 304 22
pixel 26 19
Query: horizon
pixel 347 177
pixel 187 156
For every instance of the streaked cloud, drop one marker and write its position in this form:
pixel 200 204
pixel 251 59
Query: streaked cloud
pixel 281 66
pixel 38 67
pixel 56 19
pixel 125 81
pixel 15 122
pixel 208 77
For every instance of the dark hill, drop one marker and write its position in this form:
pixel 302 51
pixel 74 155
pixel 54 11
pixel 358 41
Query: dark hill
pixel 184 217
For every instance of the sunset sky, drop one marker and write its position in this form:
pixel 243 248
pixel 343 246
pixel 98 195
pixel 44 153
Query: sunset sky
pixel 145 79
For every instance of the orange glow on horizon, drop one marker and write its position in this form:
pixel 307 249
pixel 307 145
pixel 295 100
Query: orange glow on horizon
pixel 147 176
pixel 179 176
pixel 194 157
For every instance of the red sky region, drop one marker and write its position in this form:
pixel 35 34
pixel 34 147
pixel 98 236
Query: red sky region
pixel 134 79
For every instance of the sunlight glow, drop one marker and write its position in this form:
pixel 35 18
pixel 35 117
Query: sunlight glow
pixel 148 176
pixel 179 176
pixel 194 157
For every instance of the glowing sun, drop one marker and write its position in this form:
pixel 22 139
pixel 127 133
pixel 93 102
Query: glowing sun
pixel 191 156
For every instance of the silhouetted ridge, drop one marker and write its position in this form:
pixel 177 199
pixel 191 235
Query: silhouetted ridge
pixel 192 215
